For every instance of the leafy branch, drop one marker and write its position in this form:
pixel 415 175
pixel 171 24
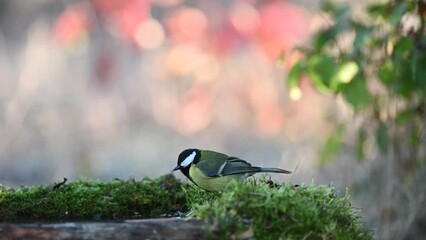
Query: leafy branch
pixel 380 74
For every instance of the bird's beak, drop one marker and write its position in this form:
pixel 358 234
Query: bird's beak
pixel 176 168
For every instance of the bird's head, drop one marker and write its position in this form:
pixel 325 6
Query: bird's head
pixel 186 159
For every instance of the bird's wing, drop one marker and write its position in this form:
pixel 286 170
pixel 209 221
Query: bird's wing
pixel 237 166
pixel 211 162
pixel 216 164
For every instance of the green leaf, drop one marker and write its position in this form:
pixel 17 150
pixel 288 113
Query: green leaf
pixel 294 74
pixel 405 116
pixel 420 72
pixel 412 5
pixel 382 137
pixel 330 7
pixel 414 61
pixel 293 80
pixel 322 38
pixel 362 37
pixel 397 13
pixel 321 70
pixel 343 19
pixel 390 13
pixel 416 135
pixel 379 9
pixel 410 71
pixel 402 48
pixel 386 72
pixel 347 72
pixel 333 145
pixel 356 93
pixel 342 23
pixel 404 84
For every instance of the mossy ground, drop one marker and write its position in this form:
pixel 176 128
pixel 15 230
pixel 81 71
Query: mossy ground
pixel 257 209
pixel 264 210
pixel 87 199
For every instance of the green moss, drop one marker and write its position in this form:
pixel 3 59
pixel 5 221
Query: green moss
pixel 256 210
pixel 90 199
pixel 261 211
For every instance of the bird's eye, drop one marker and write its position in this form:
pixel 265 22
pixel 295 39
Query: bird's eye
pixel 188 160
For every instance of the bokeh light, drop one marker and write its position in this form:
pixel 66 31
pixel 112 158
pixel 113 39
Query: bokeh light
pixel 117 88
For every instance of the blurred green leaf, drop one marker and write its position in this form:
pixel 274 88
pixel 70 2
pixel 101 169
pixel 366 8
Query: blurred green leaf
pixel 410 74
pixel 404 79
pixel 293 80
pixel 381 51
pixel 294 74
pixel 343 19
pixel 415 136
pixel 382 137
pixel 329 6
pixel 414 61
pixel 386 72
pixel 321 70
pixel 405 116
pixel 381 9
pixel 347 72
pixel 397 13
pixel 360 144
pixel 390 13
pixel 412 5
pixel 402 48
pixel 420 72
pixel 333 145
pixel 341 23
pixel 322 38
pixel 377 42
pixel 356 92
pixel 362 37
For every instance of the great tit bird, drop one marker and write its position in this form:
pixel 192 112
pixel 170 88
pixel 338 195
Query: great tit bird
pixel 212 170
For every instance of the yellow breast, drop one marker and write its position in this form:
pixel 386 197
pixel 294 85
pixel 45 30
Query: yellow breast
pixel 214 184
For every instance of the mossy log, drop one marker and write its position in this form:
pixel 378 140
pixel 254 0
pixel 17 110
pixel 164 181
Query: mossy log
pixel 174 228
pixel 259 209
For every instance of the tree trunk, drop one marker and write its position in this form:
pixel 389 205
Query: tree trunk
pixel 131 229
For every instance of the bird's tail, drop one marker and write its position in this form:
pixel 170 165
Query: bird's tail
pixel 274 170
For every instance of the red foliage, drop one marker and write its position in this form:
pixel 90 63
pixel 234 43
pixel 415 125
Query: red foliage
pixel 282 26
pixel 129 16
pixel 71 26
pixel 277 26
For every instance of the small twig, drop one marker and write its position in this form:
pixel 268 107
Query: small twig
pixel 58 185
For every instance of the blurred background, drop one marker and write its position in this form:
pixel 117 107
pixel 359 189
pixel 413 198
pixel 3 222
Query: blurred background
pixel 118 88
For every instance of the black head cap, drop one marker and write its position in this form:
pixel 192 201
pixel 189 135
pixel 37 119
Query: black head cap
pixel 186 159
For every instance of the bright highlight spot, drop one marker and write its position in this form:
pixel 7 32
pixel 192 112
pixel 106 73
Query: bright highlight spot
pixel 295 93
pixel 181 60
pixel 245 19
pixel 150 34
pixel 188 23
pixel 347 72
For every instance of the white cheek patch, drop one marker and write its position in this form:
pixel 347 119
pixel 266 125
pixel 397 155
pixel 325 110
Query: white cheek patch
pixel 188 160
